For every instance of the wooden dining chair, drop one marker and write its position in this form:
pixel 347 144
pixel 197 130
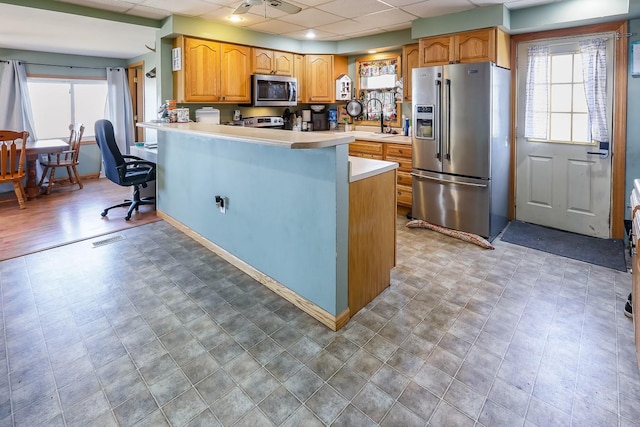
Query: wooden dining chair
pixel 13 161
pixel 67 159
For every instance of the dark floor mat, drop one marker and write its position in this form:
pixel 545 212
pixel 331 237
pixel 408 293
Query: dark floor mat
pixel 605 252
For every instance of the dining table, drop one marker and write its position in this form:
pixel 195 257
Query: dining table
pixel 33 150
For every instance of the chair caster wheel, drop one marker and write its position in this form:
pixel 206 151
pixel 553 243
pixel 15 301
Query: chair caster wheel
pixel 104 213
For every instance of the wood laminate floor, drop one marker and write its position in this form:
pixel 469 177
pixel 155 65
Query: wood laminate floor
pixel 66 215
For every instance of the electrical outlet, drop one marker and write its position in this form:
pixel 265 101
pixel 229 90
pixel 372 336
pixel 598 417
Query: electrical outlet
pixel 221 203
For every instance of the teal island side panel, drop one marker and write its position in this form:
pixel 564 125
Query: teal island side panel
pixel 287 210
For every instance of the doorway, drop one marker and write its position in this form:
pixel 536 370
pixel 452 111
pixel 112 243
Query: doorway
pixel 136 88
pixel 563 173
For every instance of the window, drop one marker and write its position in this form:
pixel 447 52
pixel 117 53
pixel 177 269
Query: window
pixel 560 106
pixel 568 116
pixel 56 103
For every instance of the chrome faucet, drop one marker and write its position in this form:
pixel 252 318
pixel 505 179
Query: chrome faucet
pixel 381 112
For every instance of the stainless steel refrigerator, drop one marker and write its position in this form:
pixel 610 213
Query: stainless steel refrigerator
pixel 461 146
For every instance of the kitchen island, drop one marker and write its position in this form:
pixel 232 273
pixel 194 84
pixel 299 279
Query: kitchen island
pixel 286 213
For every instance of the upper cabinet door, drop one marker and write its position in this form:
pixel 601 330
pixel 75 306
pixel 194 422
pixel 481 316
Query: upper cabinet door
pixel 487 44
pixel 298 73
pixel 410 60
pixel 266 61
pixel 319 72
pixel 476 46
pixel 283 63
pixel 201 68
pixel 235 78
pixel 262 60
pixel 436 51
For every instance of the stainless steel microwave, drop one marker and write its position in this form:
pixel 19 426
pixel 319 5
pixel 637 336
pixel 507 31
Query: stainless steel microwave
pixel 273 91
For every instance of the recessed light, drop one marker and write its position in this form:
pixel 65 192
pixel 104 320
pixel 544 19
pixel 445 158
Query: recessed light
pixel 311 34
pixel 235 18
pixel 372 51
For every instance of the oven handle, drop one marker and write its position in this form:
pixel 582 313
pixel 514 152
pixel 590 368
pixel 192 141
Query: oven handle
pixel 445 181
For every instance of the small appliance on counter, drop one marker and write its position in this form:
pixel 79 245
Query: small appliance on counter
pixel 208 115
pixel 320 120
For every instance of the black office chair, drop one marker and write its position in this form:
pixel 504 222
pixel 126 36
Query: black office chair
pixel 124 170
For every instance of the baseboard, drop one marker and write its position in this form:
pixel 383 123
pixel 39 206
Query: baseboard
pixel 318 313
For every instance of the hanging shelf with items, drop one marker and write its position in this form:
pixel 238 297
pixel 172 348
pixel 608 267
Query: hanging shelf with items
pixel 379 88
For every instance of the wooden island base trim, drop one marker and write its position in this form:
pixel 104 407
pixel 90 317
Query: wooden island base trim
pixel 318 313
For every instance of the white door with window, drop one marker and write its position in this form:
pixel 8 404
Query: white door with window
pixel 563 160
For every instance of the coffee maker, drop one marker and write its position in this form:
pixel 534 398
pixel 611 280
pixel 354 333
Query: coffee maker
pixel 320 120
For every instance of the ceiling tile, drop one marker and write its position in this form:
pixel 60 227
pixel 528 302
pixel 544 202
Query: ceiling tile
pixel 351 9
pixel 275 26
pixel 302 35
pixel 312 18
pixel 343 26
pixel 264 10
pixel 182 7
pixel 387 17
pixel 148 12
pixel 518 4
pixel 438 7
pixel 401 3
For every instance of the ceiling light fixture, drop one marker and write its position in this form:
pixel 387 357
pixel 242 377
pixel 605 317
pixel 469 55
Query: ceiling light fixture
pixel 235 18
pixel 372 51
pixel 310 34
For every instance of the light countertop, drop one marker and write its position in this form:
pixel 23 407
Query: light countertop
pixel 273 137
pixel 378 137
pixel 361 168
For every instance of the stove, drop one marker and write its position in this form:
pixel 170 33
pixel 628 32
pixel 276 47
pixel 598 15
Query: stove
pixel 264 122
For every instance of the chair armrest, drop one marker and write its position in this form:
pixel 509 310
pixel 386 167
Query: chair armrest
pixel 128 156
pixel 141 162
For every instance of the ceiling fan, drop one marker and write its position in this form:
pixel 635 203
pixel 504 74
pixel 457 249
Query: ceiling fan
pixel 277 4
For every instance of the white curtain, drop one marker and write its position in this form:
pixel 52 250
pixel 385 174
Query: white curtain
pixel 15 105
pixel 594 72
pixel 537 93
pixel 119 110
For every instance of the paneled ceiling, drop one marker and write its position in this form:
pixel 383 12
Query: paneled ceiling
pixel 329 20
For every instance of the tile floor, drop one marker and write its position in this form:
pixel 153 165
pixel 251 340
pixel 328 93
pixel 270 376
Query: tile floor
pixel 156 330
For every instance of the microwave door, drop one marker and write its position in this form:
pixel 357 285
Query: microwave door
pixel 292 92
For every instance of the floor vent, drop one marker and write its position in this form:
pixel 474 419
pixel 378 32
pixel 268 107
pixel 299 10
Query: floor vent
pixel 107 241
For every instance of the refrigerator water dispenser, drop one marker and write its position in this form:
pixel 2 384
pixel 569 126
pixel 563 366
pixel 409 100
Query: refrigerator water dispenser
pixel 424 121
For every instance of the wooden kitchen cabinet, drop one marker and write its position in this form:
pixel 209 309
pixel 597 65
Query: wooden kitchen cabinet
pixel 399 153
pixel 487 44
pixel 212 72
pixel 410 60
pixel 266 61
pixel 366 149
pixel 298 73
pixel 235 78
pixel 198 80
pixel 320 73
pixel 372 238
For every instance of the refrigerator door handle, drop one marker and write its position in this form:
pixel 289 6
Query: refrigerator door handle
pixel 446 181
pixel 448 152
pixel 438 121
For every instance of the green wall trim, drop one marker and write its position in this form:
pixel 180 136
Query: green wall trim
pixel 57 6
pixel 481 17
pixel 569 13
